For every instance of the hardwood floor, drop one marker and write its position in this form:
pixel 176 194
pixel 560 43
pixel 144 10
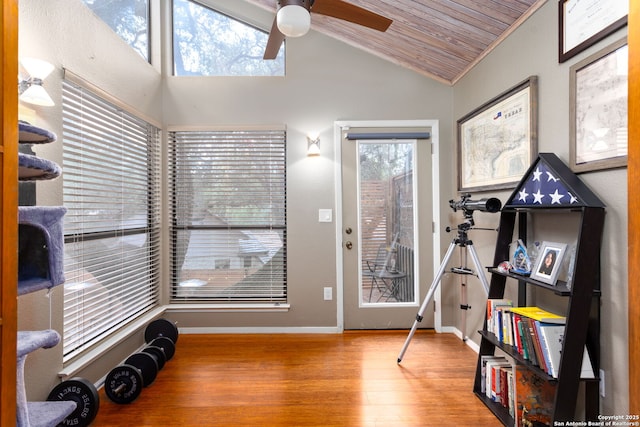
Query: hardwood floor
pixel 349 379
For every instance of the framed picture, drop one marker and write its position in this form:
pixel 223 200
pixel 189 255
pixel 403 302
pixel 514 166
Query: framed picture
pixel 549 262
pixel 598 110
pixel 582 23
pixel 498 140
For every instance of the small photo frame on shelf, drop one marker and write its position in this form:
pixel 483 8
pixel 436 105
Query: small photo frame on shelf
pixel 549 262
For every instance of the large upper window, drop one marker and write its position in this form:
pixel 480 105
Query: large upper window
pixel 209 43
pixel 128 18
pixel 228 228
pixel 111 190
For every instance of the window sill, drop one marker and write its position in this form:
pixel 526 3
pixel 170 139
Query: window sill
pixel 227 308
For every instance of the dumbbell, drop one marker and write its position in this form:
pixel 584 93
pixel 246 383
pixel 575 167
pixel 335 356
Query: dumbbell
pixel 123 384
pixel 164 334
pixel 158 353
pixel 84 394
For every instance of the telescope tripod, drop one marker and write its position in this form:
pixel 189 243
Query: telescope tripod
pixel 462 240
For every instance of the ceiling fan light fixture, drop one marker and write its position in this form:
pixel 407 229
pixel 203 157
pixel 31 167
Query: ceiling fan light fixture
pixel 293 20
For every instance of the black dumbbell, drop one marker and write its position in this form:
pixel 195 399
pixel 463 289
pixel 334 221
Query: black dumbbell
pixel 158 353
pixel 84 394
pixel 164 334
pixel 123 384
pixel 147 363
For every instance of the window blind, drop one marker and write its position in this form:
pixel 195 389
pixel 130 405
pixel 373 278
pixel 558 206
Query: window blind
pixel 228 228
pixel 111 185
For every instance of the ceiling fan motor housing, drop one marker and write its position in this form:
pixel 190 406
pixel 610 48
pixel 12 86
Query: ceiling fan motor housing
pixel 293 17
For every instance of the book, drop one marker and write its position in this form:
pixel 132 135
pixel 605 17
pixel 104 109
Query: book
pixel 544 348
pixel 526 322
pixel 503 390
pixel 493 378
pixel 500 314
pixel 511 402
pixel 537 345
pixel 483 370
pixel 534 398
pixel 492 319
pixel 522 337
pixel 553 336
pixel 540 315
pixel 517 337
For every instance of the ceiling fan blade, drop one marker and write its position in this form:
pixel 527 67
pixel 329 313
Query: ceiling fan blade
pixel 349 12
pixel 275 41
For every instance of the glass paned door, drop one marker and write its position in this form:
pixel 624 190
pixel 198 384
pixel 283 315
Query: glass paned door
pixel 386 221
pixel 386 227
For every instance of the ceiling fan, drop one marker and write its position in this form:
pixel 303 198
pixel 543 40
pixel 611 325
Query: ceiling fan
pixel 293 19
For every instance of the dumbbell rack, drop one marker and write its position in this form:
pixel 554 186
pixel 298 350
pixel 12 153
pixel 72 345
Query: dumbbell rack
pixel 40 266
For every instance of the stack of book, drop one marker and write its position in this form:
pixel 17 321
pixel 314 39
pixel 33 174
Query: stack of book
pixel 497 382
pixel 536 334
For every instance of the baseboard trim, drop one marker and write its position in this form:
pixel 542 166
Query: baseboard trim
pixel 457 332
pixel 260 330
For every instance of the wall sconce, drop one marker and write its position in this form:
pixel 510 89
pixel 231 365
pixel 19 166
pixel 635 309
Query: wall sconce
pixel 30 87
pixel 313 145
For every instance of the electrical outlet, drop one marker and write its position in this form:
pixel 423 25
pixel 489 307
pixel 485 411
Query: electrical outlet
pixel 602 382
pixel 328 294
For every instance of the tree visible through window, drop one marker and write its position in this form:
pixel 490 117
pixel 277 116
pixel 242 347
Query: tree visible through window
pixel 209 43
pixel 228 230
pixel 128 18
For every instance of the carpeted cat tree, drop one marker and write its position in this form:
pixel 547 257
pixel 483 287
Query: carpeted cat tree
pixel 40 266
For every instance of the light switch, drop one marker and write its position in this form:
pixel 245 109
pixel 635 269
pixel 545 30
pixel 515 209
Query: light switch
pixel 325 215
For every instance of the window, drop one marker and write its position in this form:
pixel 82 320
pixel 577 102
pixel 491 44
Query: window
pixel 112 226
pixel 208 43
pixel 228 231
pixel 128 18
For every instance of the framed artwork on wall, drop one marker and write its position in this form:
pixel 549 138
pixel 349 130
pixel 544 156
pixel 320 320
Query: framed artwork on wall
pixel 582 23
pixel 498 140
pixel 598 110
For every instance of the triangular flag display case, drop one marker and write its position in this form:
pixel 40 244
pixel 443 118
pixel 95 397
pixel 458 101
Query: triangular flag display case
pixel 548 189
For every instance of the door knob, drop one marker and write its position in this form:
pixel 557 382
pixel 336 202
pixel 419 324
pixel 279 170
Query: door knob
pixel 348 230
pixel 349 245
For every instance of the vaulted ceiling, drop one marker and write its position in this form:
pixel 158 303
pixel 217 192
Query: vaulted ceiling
pixel 441 39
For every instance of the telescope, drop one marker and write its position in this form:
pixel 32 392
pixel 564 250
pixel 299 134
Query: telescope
pixel 467 205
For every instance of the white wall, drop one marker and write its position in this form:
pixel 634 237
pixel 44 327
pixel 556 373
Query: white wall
pixel 533 50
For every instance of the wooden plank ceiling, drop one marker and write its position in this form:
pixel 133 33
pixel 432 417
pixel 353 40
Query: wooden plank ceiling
pixel 442 39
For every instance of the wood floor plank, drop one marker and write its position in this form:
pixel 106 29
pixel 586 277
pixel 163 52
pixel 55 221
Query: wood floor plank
pixel 349 379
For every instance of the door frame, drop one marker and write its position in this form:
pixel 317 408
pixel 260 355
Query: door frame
pixel 338 127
